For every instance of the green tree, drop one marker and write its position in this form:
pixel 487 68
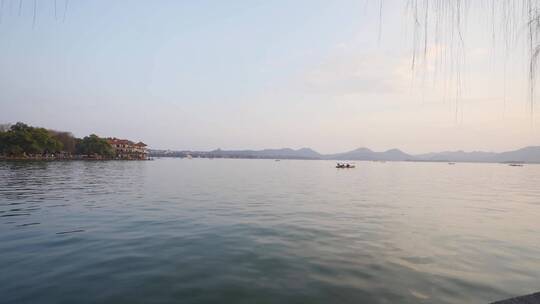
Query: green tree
pixel 3 141
pixel 93 144
pixel 22 139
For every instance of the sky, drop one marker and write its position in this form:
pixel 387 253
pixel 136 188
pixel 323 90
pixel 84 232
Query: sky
pixel 201 75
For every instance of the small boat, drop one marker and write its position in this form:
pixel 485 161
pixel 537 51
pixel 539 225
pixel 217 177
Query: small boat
pixel 345 166
pixel 515 165
pixel 451 163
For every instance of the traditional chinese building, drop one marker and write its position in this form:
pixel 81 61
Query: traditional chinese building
pixel 126 149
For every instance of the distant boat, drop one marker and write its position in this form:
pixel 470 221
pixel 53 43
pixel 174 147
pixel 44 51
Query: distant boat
pixel 277 160
pixel 451 163
pixel 515 165
pixel 345 166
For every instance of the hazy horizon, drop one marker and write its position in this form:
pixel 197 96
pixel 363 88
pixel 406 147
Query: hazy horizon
pixel 344 151
pixel 255 75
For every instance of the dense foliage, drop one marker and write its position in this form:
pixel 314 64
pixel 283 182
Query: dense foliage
pixel 21 140
pixel 93 144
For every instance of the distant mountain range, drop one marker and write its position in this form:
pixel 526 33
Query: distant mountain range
pixel 367 154
pixel 525 155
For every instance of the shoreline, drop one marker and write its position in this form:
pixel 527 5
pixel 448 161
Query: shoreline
pixel 81 158
pixel 49 159
pixel 351 160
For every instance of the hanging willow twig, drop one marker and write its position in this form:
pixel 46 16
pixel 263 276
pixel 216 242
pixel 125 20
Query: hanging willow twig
pixel 35 14
pixel 442 27
pixel 1 10
pixel 65 10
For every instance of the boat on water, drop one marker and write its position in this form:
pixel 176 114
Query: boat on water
pixel 515 165
pixel 451 163
pixel 345 166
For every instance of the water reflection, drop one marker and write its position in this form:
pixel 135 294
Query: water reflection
pixel 34 185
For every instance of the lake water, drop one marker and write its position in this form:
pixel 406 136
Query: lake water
pixel 260 231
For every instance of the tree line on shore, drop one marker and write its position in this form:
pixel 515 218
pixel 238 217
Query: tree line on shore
pixel 21 140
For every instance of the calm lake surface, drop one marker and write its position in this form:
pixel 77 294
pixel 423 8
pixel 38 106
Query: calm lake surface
pixel 260 231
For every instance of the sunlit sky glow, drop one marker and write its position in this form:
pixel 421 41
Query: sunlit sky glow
pixel 255 74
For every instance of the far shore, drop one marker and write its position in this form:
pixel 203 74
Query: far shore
pixel 348 160
pixel 152 157
pixel 73 158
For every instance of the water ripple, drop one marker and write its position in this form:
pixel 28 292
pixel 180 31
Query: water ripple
pixel 259 231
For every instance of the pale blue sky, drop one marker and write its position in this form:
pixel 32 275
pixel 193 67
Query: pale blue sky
pixel 248 74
